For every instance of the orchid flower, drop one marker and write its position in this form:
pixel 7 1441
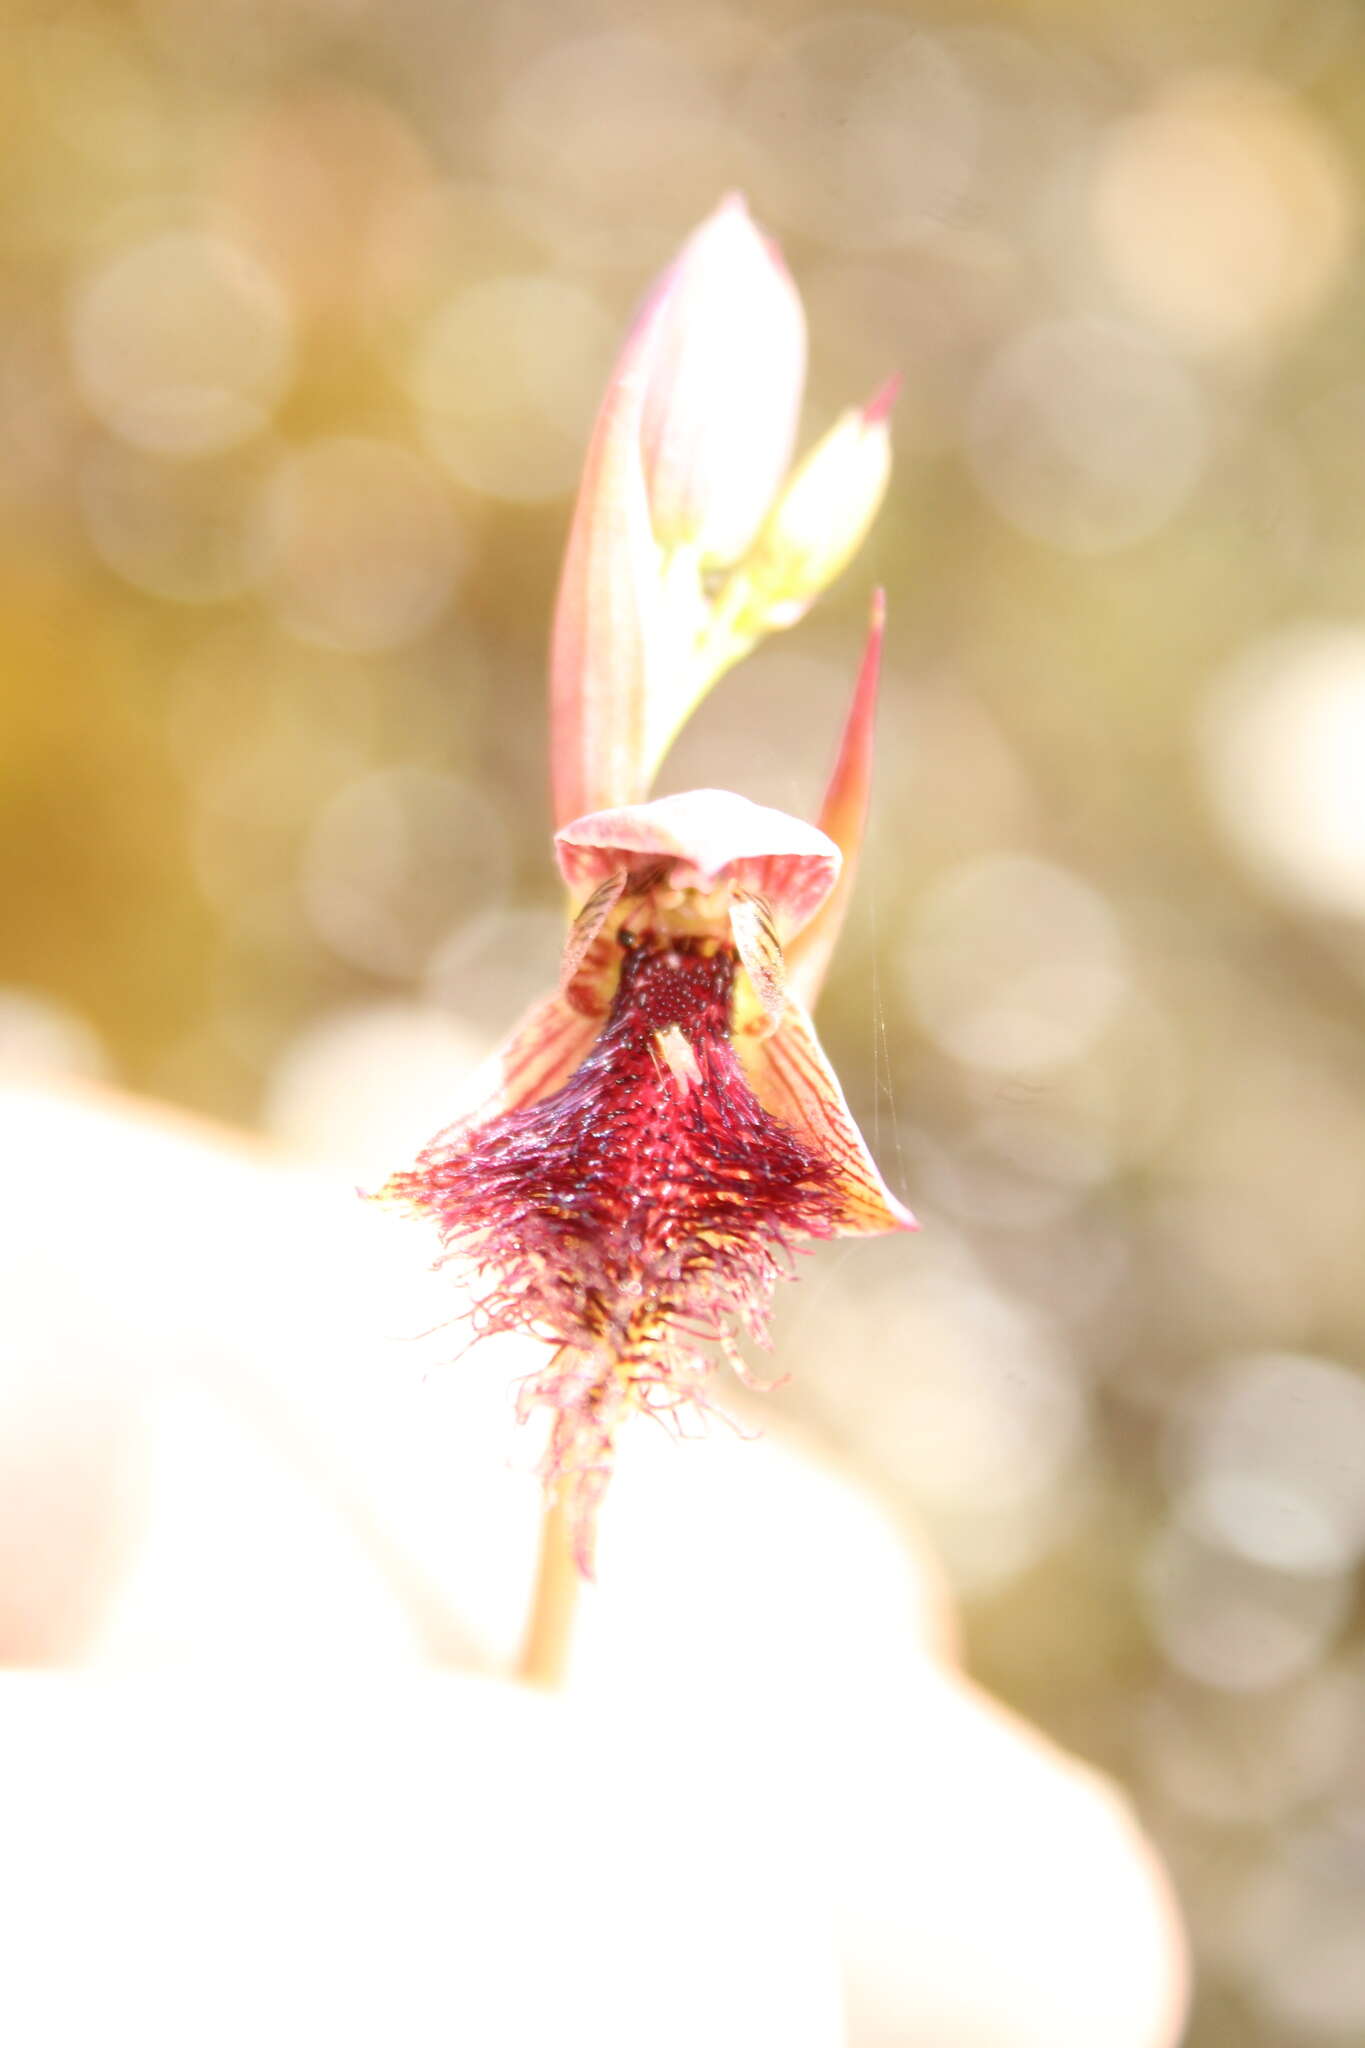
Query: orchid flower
pixel 638 1163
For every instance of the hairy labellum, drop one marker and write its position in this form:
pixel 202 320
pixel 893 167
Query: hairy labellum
pixel 640 1214
pixel 637 1163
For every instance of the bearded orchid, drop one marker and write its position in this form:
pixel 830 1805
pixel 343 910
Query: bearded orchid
pixel 636 1166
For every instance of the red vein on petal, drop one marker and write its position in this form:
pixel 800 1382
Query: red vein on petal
pixel 791 1076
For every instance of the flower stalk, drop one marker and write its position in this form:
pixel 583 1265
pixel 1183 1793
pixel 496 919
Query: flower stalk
pixel 544 1657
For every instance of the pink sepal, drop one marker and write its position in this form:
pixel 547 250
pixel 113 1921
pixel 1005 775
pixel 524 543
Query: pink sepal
pixel 843 815
pixel 609 645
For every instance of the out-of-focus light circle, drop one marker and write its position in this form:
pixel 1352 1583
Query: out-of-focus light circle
pixel 244 823
pixel 181 344
pixel 245 696
pixel 1271 1458
pixel 1277 1138
pixel 332 185
pixel 593 122
pixel 1263 1519
pixel 1229 1623
pixel 396 860
pixel 181 530
pixel 1284 763
pixel 1234 1761
pixel 364 1088
pixel 1025 1161
pixel 998 1414
pixel 1013 964
pixel 928 310
pixel 950 743
pixel 1135 1091
pixel 97 90
pixel 1223 209
pixel 1086 436
pixel 360 543
pixel 888 125
pixel 973 1406
pixel 1300 1930
pixel 488 972
pixel 42 1039
pixel 1016 1168
pixel 746 737
pixel 506 375
pixel 1226 1272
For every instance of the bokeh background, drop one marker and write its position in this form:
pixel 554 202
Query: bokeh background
pixel 306 309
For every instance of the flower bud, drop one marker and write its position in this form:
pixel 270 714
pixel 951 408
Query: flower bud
pixel 725 364
pixel 819 521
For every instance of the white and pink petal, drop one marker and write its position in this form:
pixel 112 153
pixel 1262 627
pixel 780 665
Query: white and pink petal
pixel 792 1078
pixel 706 839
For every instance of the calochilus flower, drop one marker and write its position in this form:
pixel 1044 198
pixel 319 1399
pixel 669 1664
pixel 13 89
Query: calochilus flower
pixel 638 1164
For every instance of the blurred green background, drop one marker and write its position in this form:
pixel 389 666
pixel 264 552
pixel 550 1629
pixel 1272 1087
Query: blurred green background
pixel 307 308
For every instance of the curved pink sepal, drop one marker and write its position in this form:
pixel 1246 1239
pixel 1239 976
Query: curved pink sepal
pixel 706 838
pixel 791 1077
pixel 843 815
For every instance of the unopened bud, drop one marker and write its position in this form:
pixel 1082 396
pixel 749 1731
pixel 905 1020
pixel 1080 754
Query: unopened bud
pixel 724 365
pixel 819 521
